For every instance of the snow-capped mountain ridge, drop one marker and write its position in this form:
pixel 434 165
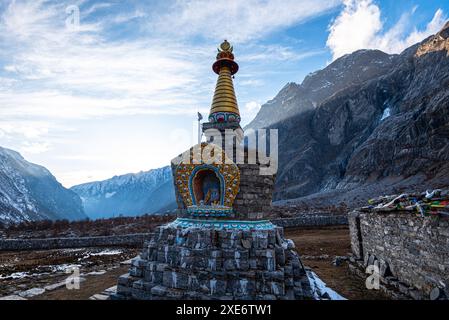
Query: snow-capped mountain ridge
pixel 30 192
pixel 151 179
pixel 129 194
pixel 349 70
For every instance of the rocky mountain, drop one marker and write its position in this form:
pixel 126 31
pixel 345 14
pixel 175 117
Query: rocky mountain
pixel 30 192
pixel 130 194
pixel 348 71
pixel 351 131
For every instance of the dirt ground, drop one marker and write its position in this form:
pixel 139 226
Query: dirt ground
pixel 25 270
pixel 318 248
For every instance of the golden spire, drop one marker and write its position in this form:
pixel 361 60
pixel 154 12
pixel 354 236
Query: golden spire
pixel 224 104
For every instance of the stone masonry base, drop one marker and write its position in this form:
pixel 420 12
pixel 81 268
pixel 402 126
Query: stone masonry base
pixel 196 263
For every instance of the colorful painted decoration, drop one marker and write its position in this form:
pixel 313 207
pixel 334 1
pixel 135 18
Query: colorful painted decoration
pixel 209 211
pixel 208 190
pixel 223 224
pixel 224 117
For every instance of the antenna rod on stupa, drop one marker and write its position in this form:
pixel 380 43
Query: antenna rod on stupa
pixel 200 117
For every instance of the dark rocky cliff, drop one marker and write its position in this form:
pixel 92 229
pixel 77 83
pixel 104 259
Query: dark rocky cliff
pixel 345 72
pixel 386 131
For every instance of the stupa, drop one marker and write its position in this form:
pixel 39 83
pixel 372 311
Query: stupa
pixel 220 246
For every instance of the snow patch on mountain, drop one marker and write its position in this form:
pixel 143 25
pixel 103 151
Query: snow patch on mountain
pixel 129 194
pixel 30 192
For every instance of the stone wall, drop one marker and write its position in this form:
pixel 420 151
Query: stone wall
pixel 59 243
pixel 256 191
pixel 412 252
pixel 311 221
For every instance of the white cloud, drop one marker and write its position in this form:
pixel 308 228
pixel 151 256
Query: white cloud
pixel 252 82
pixel 249 111
pixel 239 20
pixel 30 137
pixel 72 178
pixel 53 79
pixel 278 53
pixel 359 26
pixel 252 106
pixel 25 129
pixel 354 28
pixel 96 7
pixel 432 27
pixel 35 147
pixel 53 72
pixel 128 16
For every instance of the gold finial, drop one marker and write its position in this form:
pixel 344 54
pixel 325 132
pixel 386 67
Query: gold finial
pixel 224 103
pixel 225 47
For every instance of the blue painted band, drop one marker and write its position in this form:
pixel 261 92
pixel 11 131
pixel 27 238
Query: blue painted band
pixel 223 224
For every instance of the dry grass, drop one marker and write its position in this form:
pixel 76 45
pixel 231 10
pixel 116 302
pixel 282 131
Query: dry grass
pixel 100 227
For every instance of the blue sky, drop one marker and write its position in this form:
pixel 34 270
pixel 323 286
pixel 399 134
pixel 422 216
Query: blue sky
pixel 119 92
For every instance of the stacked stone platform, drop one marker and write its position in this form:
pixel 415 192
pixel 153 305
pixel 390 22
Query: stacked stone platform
pixel 208 263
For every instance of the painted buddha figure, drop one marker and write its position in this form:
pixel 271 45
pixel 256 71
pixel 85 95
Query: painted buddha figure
pixel 211 190
pixel 206 187
pixel 207 190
